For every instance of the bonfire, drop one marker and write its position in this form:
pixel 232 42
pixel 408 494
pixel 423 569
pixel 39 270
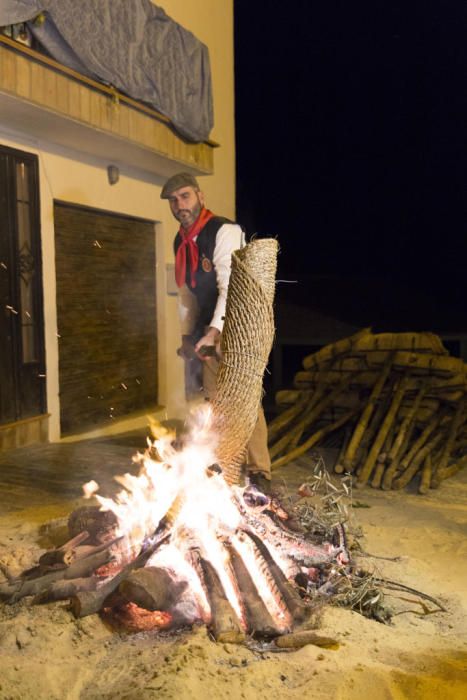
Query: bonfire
pixel 185 541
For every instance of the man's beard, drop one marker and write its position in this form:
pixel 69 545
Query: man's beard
pixel 187 217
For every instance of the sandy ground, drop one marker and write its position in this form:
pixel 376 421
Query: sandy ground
pixel 48 655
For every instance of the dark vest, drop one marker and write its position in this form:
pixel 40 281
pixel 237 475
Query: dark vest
pixel 205 289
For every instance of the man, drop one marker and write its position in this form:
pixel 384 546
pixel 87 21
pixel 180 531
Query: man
pixel 203 249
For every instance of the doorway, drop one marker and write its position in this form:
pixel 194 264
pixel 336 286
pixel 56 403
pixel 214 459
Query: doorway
pixel 106 315
pixel 22 356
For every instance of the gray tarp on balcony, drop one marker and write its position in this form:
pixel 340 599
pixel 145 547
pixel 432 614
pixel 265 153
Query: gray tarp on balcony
pixel 132 45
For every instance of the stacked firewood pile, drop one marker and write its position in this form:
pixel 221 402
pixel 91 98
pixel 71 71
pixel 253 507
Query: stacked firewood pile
pixel 394 403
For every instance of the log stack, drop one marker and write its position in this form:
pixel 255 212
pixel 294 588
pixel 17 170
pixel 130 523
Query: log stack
pixel 97 576
pixel 393 402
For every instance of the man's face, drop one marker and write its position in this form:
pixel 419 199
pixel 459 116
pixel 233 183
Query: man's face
pixel 186 204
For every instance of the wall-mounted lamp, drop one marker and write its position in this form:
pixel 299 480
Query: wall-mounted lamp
pixel 113 174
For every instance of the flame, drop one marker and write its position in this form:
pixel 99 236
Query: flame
pixel 176 485
pixel 90 488
pixel 179 488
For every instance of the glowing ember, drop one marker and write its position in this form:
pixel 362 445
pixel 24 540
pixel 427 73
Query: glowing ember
pixel 132 618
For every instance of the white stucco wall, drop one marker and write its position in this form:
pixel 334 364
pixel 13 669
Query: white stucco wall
pixel 66 175
pixel 212 23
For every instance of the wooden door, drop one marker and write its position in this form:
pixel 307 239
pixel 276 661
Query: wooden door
pixel 22 371
pixel 106 314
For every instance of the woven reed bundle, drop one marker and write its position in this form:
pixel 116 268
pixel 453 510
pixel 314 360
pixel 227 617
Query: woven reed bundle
pixel 246 343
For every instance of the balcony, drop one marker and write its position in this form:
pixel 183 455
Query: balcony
pixel 42 98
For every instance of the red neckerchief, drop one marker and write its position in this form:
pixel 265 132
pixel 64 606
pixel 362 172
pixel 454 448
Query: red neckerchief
pixel 187 241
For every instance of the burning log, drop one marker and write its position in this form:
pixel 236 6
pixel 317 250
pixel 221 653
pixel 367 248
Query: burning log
pixel 20 588
pixel 88 602
pixel 67 554
pixel 151 588
pixel 64 554
pixel 289 595
pixel 259 620
pixel 225 625
pixel 91 519
pixel 62 589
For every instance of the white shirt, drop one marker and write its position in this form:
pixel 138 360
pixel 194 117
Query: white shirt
pixel 229 238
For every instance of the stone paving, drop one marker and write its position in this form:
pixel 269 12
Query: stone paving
pixel 53 473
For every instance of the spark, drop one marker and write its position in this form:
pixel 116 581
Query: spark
pixel 2 264
pixel 124 386
pixel 96 244
pixel 10 308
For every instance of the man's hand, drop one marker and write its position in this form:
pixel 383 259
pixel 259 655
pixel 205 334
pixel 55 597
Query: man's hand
pixel 211 339
pixel 187 349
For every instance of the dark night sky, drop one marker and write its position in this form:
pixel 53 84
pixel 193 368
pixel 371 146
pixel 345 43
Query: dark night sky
pixel 351 138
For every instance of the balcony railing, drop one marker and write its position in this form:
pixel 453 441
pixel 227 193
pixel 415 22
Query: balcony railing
pixel 40 96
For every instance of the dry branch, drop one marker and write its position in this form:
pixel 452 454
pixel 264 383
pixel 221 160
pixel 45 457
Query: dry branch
pixel 61 590
pixel 296 640
pixel 21 588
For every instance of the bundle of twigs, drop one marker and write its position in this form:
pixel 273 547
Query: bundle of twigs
pixel 396 402
pixel 323 504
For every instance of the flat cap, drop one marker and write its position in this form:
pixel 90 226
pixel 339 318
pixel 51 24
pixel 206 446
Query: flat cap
pixel 177 181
